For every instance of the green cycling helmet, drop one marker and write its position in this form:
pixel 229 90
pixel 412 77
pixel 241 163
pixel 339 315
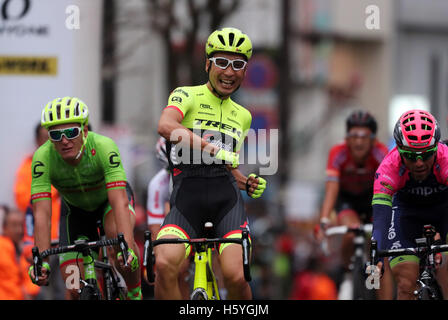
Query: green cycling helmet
pixel 64 110
pixel 229 40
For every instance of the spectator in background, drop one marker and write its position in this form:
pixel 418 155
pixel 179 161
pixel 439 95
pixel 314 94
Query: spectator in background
pixel 22 190
pixel 22 196
pixel 313 283
pixel 14 282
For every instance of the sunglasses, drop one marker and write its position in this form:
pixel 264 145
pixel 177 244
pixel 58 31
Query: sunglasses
pixel 69 133
pixel 414 156
pixel 223 63
pixel 360 135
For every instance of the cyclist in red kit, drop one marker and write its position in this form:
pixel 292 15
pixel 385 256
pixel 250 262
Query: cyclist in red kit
pixel 350 174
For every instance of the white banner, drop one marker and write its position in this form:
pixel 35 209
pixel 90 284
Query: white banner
pixel 48 49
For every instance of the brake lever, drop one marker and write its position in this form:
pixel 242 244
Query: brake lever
pixel 37 263
pixel 124 248
pixel 146 247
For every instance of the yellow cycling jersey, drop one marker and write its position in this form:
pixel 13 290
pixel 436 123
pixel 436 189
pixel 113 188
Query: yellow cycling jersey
pixel 221 122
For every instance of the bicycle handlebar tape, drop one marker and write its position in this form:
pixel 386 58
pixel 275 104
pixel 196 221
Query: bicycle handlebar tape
pixel 246 253
pixel 147 236
pixel 37 261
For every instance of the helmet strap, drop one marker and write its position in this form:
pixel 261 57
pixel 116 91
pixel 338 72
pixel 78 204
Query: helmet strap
pixel 83 144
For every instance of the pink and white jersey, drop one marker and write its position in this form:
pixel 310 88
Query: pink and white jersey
pixel 158 195
pixel 393 177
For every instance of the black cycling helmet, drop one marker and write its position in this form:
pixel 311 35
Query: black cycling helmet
pixel 361 118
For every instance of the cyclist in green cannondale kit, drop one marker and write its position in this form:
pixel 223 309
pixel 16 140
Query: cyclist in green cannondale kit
pixel 204 130
pixel 86 169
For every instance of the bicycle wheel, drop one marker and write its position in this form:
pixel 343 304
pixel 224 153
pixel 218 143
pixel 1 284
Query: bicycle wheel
pixel 199 294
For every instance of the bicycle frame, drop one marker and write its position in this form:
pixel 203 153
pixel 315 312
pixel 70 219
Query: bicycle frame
pixel 357 259
pixel 204 277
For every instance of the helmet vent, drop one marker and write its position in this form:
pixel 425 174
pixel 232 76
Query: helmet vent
pixel 426 137
pixel 221 38
pixel 410 128
pixel 58 111
pixel 240 42
pixel 426 119
pixel 231 38
pixel 77 109
pixel 413 138
pixel 408 120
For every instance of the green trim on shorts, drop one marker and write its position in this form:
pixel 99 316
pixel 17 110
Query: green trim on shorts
pixel 407 258
pixel 173 231
pixel 64 257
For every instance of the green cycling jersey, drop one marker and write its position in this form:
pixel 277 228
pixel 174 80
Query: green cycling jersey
pixel 219 121
pixel 85 185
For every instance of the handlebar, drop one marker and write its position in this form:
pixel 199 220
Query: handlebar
pixel 425 247
pixel 416 251
pixel 81 246
pixel 148 257
pixel 366 228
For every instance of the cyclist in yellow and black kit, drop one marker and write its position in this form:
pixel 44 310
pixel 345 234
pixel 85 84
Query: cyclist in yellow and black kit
pixel 204 130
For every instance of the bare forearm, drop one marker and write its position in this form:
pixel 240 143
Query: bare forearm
pixel 123 221
pixel 171 128
pixel 331 194
pixel 240 178
pixel 42 224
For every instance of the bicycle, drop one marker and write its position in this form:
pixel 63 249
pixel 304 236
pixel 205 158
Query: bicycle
pixel 358 259
pixel 113 284
pixel 426 249
pixel 205 285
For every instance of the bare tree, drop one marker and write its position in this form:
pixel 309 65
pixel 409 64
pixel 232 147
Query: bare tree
pixel 185 58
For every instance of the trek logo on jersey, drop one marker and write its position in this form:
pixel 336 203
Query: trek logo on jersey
pixel 217 124
pixel 36 173
pixel 114 162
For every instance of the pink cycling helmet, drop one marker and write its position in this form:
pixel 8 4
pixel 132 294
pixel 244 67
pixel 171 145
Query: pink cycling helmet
pixel 416 129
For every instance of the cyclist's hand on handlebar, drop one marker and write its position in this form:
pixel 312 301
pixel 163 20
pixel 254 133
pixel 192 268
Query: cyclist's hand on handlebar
pixel 255 186
pixel 319 229
pixel 132 260
pixel 43 279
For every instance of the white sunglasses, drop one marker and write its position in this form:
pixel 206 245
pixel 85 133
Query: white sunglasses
pixel 223 63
